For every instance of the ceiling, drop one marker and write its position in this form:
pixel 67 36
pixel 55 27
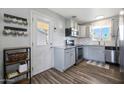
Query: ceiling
pixel 86 14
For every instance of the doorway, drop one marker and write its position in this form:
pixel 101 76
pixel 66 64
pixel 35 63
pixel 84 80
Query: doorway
pixel 41 39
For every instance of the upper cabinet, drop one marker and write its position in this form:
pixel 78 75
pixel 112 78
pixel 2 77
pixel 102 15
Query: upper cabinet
pixel 115 26
pixel 84 30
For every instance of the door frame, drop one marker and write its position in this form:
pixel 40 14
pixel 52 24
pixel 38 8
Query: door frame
pixel 33 13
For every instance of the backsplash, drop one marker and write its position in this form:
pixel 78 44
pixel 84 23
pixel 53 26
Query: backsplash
pixel 89 41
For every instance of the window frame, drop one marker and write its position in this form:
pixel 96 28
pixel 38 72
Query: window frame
pixel 100 25
pixel 43 32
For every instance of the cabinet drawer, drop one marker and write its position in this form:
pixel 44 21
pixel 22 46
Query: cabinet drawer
pixel 72 50
pixel 67 50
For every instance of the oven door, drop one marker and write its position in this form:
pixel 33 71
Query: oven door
pixel 79 54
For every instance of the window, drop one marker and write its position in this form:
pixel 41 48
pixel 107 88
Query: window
pixel 42 32
pixel 96 33
pixel 42 26
pixel 101 30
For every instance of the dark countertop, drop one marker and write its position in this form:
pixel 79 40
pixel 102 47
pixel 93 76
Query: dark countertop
pixel 66 47
pixel 96 45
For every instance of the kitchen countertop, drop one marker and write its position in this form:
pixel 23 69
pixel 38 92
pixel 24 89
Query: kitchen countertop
pixel 95 45
pixel 64 47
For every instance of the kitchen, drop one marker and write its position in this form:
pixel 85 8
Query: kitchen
pixel 68 46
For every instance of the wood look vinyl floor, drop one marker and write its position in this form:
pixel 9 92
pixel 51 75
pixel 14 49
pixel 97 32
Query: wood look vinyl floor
pixel 82 73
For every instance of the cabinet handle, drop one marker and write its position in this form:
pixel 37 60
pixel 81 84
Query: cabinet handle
pixel 71 54
pixel 67 52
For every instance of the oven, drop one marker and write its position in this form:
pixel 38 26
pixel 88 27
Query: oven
pixel 79 54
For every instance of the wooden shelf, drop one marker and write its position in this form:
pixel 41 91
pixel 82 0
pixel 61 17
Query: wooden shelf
pixel 12 16
pixel 15 74
pixel 23 81
pixel 21 61
pixel 16 48
pixel 19 74
pixel 15 28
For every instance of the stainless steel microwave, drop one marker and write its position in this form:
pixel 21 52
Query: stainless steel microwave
pixel 71 32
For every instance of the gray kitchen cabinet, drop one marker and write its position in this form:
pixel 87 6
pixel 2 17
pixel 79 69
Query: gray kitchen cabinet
pixel 64 58
pixel 96 53
pixel 72 56
pixel 88 30
pixel 115 24
pixel 84 30
pixel 67 59
pixel 85 52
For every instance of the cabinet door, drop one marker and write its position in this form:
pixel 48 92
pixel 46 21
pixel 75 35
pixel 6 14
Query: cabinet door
pixel 115 27
pixel 85 52
pixel 67 59
pixel 94 53
pixel 82 31
pixel 87 31
pixel 72 57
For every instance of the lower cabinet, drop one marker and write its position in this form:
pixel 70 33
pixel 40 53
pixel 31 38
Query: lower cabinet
pixel 64 58
pixel 72 57
pixel 67 59
pixel 94 53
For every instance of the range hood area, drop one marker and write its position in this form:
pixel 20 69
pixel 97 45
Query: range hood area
pixel 72 27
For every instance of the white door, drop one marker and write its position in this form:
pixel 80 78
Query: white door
pixel 42 28
pixel 67 59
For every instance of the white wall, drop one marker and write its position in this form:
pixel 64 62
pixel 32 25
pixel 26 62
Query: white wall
pixel 10 41
pixel 59 34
